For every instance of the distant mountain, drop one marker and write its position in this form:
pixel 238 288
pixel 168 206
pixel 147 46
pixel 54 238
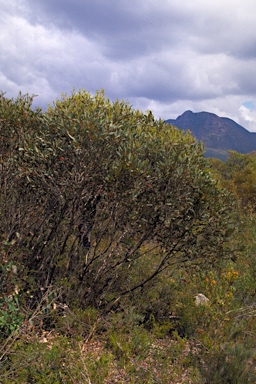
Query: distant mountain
pixel 219 134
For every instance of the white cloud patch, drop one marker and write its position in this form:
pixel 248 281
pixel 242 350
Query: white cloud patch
pixel 161 56
pixel 45 61
pixel 248 113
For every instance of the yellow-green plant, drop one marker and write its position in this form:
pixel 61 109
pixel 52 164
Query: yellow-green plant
pixel 98 191
pixel 11 315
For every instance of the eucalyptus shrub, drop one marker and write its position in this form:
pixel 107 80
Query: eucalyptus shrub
pixel 102 198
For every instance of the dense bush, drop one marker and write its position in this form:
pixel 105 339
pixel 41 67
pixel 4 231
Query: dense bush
pixel 103 207
pixel 238 175
pixel 98 198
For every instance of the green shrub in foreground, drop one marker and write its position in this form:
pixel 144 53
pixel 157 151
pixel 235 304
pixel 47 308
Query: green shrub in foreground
pixel 57 360
pixel 104 198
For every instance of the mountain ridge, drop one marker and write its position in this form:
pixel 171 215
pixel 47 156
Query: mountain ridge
pixel 219 134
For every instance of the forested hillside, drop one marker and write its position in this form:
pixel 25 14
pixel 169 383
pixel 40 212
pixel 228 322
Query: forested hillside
pixel 112 222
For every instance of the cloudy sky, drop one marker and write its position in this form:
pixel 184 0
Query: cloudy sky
pixel 166 56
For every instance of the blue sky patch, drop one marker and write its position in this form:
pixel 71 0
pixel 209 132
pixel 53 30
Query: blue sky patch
pixel 250 104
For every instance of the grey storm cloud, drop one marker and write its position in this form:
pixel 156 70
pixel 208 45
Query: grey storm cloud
pixel 166 56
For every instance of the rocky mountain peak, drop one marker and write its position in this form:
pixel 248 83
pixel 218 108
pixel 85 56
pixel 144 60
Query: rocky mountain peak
pixel 219 134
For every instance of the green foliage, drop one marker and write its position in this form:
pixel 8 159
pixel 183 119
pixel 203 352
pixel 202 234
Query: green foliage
pixel 228 363
pixel 78 322
pixel 11 316
pixel 223 331
pixel 56 360
pixel 110 225
pixel 238 174
pixel 129 346
pixel 99 199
